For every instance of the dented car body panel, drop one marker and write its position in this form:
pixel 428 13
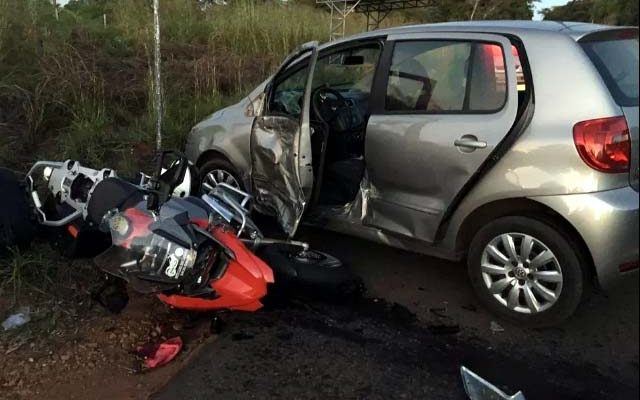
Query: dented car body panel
pixel 281 174
pixel 274 176
pixel 226 133
pixel 419 190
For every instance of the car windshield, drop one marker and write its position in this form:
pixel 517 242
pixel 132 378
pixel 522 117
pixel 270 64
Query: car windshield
pixel 617 62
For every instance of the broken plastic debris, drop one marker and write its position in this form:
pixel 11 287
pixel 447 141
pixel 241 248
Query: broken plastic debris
pixel 478 388
pixel 495 327
pixel 159 354
pixel 17 320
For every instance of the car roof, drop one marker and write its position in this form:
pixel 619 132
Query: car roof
pixel 517 27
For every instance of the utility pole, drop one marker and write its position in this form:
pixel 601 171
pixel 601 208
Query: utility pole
pixel 473 12
pixel 157 78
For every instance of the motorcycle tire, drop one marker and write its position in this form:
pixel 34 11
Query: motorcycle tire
pixel 315 273
pixel 17 225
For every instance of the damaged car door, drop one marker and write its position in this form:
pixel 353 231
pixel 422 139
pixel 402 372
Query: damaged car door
pixel 281 170
pixel 448 99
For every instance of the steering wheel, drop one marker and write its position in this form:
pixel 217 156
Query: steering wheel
pixel 332 108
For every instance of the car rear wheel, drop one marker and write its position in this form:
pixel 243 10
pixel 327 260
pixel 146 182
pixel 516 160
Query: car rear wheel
pixel 218 170
pixel 526 271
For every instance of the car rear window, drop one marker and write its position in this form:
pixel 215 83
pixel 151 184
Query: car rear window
pixel 617 61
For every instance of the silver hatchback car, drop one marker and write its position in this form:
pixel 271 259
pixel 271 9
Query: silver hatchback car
pixel 513 144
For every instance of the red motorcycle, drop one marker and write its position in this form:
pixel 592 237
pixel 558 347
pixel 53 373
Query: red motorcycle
pixel 194 253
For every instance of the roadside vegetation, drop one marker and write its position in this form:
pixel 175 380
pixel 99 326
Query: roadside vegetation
pixel 78 86
pixel 611 12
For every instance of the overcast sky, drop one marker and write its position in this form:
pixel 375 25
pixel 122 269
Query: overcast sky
pixel 546 4
pixel 539 6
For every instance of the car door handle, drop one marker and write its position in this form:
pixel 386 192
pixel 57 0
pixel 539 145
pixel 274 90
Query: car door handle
pixel 470 142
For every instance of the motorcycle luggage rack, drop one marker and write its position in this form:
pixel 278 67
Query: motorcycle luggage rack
pixel 246 197
pixel 35 197
pixel 223 195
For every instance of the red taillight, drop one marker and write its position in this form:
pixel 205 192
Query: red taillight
pixel 604 143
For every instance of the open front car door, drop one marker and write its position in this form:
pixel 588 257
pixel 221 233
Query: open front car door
pixel 281 173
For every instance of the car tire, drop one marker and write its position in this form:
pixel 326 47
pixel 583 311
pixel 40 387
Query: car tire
pixel 537 289
pixel 17 225
pixel 209 172
pixel 321 276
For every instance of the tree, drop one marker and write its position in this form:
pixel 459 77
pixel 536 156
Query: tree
pixel 575 10
pixel 462 10
pixel 613 12
pixel 504 9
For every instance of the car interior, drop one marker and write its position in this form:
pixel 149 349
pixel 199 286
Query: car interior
pixel 341 87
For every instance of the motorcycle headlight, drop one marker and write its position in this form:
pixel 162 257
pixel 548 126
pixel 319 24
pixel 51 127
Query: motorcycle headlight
pixel 119 224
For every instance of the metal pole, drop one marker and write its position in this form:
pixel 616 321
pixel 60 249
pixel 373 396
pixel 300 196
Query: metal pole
pixel 331 22
pixel 473 12
pixel 345 12
pixel 368 17
pixel 157 81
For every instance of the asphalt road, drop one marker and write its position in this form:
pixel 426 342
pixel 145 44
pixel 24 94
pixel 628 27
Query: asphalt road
pixel 396 343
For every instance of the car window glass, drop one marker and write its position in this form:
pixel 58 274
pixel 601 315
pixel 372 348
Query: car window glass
pixel 488 80
pixel 617 62
pixel 446 76
pixel 348 70
pixel 522 86
pixel 287 93
pixel 351 71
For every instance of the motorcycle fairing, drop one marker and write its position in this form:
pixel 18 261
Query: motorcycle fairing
pixel 236 282
pixel 241 287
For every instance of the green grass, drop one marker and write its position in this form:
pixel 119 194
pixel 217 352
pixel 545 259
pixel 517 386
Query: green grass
pixel 74 87
pixel 26 269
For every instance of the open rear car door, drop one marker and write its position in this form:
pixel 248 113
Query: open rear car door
pixel 281 171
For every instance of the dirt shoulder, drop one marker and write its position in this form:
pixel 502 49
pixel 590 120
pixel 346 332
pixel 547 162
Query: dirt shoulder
pixel 73 348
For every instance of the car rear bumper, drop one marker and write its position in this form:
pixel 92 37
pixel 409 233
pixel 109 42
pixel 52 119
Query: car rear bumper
pixel 608 224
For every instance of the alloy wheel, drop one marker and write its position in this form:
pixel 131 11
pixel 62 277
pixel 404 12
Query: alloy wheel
pixel 521 273
pixel 218 176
